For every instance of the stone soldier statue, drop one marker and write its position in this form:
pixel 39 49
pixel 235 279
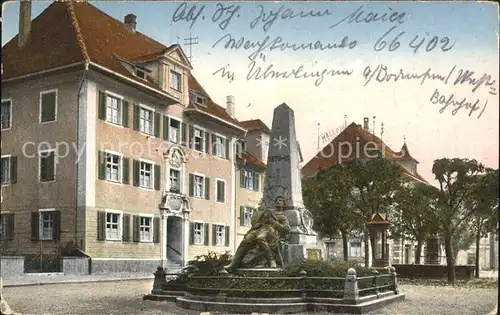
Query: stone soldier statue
pixel 261 243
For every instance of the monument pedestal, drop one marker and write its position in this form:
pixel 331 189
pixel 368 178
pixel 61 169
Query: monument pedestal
pixel 301 247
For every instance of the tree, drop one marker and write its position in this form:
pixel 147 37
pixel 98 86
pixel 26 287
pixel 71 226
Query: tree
pixel 455 177
pixel 374 182
pixel 415 213
pixel 484 202
pixel 326 196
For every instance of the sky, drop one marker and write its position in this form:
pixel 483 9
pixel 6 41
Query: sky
pixel 457 36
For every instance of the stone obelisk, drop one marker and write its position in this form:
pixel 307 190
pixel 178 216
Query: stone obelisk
pixel 283 179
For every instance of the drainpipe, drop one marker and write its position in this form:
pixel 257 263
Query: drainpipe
pixel 83 79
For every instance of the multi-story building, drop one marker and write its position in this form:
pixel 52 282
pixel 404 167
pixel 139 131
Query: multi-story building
pixel 111 144
pixel 351 143
pixel 251 173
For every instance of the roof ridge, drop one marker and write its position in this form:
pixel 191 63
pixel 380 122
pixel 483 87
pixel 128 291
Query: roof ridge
pixel 79 37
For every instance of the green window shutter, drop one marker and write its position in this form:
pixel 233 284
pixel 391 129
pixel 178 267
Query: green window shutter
pixel 157 124
pixel 165 127
pixel 136 117
pixel 242 215
pixel 212 144
pixel 191 185
pixel 125 114
pixel 101 226
pixel 223 190
pixel 157 172
pixel 205 233
pixel 102 105
pixel 11 219
pixel 51 164
pixel 35 216
pixel 207 188
pixel 214 235
pixel 56 228
pixel 256 181
pixel 242 178
pixel 135 228
pixel 183 135
pixel 207 143
pixel 136 166
pixel 102 164
pixel 126 228
pixel 227 235
pixel 226 143
pixel 191 142
pixel 125 170
pixel 13 169
pixel 191 234
pixel 48 107
pixel 156 230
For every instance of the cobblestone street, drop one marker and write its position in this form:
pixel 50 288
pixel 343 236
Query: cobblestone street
pixel 125 297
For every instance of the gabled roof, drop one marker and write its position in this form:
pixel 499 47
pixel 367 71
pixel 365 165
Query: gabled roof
pixel 70 32
pixel 354 134
pixel 252 160
pixel 210 107
pixel 256 125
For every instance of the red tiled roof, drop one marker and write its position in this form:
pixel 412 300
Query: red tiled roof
pixel 255 124
pixel 84 33
pixel 354 134
pixel 252 159
pixel 210 107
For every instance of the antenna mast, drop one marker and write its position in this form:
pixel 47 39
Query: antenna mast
pixel 190 42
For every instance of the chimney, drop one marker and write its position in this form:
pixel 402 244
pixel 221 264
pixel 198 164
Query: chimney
pixel 366 122
pixel 24 22
pixel 230 105
pixel 130 21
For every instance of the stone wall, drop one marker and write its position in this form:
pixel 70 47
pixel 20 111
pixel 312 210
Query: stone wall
pixel 75 265
pixel 11 266
pixel 103 266
pixel 464 272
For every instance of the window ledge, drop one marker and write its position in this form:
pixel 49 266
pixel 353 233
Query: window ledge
pixel 6 184
pixel 146 188
pixel 113 239
pixel 47 122
pixel 46 181
pixel 220 202
pixel 119 183
pixel 120 125
pixel 146 242
pixel 6 129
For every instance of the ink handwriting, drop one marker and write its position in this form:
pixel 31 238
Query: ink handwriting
pixel 360 16
pixel 225 73
pixel 381 74
pixel 456 104
pixel 395 43
pixel 257 72
pixel 268 18
pixel 259 47
pixel 188 14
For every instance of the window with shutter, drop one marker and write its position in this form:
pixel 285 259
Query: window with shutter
pixel 6 170
pixel 157 176
pixel 101 226
pixel 206 233
pixel 126 228
pixel 35 226
pixel 220 190
pixel 48 106
pixel 47 166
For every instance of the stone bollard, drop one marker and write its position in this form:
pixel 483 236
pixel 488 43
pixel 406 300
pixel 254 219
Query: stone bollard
pixel 160 281
pixel 351 292
pixel 394 279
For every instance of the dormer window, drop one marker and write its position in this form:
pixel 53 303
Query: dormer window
pixel 197 98
pixel 140 73
pixel 175 80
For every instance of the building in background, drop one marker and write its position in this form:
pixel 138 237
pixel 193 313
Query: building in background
pixel 111 145
pixel 251 171
pixel 400 251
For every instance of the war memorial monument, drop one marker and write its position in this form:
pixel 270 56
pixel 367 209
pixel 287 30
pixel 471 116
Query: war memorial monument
pixel 281 235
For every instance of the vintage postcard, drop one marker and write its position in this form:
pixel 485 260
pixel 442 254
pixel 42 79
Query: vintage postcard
pixel 256 156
